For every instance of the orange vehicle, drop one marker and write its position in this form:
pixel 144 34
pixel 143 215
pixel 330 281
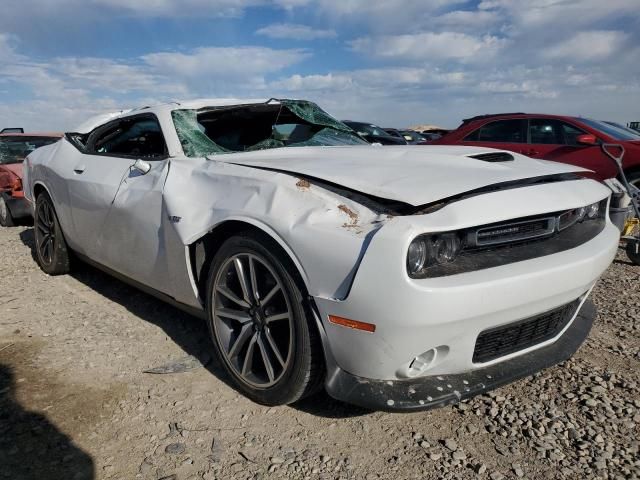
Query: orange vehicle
pixel 14 148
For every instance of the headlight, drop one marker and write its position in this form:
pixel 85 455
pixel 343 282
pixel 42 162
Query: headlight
pixel 428 250
pixel 417 255
pixel 501 243
pixel 593 210
pixel 582 212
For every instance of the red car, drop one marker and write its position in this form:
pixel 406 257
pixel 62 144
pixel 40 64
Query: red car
pixel 559 138
pixel 14 147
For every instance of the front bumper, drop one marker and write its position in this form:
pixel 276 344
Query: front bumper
pixel 434 391
pixel 413 317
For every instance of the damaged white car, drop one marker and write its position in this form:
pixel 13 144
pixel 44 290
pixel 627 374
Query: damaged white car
pixel 399 278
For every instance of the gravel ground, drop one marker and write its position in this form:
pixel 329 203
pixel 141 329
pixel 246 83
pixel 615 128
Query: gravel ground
pixel 75 402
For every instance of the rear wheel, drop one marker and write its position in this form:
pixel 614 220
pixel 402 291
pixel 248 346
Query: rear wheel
pixel 6 219
pixel 51 248
pixel 633 252
pixel 259 322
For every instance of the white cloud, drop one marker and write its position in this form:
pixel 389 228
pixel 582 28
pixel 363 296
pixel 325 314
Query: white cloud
pixel 291 4
pixel 223 62
pixel 467 20
pixel 390 16
pixel 428 46
pixel 308 83
pixel 295 31
pixel 570 14
pixel 421 61
pixel 30 9
pixel 68 90
pixel 212 8
pixel 588 46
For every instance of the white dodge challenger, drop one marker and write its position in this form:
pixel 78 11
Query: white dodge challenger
pixel 400 278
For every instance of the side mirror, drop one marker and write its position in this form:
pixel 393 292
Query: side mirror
pixel 587 139
pixel 141 166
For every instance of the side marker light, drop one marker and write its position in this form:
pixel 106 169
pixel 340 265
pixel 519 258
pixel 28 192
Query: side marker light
pixel 356 325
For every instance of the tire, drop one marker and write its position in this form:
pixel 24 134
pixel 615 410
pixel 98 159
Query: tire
pixel 633 178
pixel 631 252
pixel 274 327
pixel 52 252
pixel 6 219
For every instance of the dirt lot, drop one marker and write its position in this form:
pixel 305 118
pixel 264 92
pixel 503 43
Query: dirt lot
pixel 75 403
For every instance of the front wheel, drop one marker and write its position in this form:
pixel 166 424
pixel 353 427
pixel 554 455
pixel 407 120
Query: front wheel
pixel 52 252
pixel 259 322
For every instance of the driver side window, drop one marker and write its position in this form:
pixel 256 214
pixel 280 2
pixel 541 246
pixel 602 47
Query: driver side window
pixel 131 137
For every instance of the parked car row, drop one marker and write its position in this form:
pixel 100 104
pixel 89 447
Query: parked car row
pixel 399 278
pixel 15 145
pixel 565 139
pixel 393 136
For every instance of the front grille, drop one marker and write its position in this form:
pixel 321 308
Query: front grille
pixel 515 232
pixel 501 341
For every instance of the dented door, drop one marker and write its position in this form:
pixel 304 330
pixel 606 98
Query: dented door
pixel 132 240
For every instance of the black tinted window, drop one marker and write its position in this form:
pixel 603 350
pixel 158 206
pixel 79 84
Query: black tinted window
pixel 552 132
pixel 571 133
pixel 545 131
pixel 132 138
pixel 508 131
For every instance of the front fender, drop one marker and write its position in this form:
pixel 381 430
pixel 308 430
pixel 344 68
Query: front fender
pixel 324 233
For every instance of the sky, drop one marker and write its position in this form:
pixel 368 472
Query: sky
pixel 389 62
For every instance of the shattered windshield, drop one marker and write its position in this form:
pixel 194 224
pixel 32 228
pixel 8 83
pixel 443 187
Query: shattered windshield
pixel 245 128
pixel 15 149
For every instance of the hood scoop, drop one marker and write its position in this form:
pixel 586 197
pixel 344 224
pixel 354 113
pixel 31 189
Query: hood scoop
pixel 493 157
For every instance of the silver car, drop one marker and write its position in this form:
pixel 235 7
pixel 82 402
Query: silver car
pixel 399 278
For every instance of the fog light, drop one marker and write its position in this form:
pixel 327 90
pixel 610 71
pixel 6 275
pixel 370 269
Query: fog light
pixel 422 362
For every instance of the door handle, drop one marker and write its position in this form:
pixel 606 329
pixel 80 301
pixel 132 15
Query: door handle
pixel 530 152
pixel 79 169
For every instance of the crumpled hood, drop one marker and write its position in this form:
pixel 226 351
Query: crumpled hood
pixel 416 175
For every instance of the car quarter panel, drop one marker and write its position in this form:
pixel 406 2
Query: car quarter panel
pixel 415 315
pixel 49 166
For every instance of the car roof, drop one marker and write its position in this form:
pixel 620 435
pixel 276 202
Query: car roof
pixel 161 108
pixel 516 115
